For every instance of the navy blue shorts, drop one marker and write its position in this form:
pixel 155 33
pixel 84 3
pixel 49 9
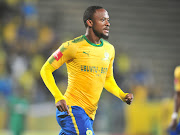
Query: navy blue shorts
pixel 77 123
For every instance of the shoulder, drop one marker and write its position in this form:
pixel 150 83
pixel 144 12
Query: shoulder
pixel 105 42
pixel 72 43
pixel 76 40
pixel 177 72
pixel 108 45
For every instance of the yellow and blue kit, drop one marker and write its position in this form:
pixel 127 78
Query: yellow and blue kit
pixel 177 78
pixel 177 88
pixel 90 68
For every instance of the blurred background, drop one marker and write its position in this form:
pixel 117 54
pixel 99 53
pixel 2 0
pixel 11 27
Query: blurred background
pixel 145 34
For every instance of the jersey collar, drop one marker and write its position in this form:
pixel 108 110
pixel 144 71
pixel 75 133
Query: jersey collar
pixel 99 45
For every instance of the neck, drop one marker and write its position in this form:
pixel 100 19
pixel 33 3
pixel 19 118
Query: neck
pixel 91 36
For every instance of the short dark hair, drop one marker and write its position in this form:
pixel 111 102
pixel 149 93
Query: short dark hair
pixel 89 12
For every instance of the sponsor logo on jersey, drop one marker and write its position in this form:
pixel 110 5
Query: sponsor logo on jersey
pixel 94 69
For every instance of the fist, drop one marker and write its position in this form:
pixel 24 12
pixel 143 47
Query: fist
pixel 129 98
pixel 62 106
pixel 173 124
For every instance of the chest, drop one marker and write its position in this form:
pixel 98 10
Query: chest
pixel 93 56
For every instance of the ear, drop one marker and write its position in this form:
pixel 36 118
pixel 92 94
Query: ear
pixel 89 23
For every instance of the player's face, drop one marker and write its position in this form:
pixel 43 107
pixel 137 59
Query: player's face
pixel 101 23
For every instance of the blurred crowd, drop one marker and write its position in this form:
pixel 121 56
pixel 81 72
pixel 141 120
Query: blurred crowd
pixel 25 44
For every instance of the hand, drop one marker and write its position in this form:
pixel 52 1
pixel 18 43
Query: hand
pixel 173 124
pixel 62 106
pixel 129 98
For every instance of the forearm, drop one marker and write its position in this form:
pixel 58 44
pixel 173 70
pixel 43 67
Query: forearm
pixel 112 87
pixel 177 101
pixel 47 76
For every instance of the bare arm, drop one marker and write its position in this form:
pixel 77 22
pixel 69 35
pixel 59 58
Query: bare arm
pixel 176 101
pixel 173 123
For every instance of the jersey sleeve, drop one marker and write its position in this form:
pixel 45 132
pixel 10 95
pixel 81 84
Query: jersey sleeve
pixel 177 78
pixel 47 76
pixel 110 68
pixel 64 53
pixel 110 83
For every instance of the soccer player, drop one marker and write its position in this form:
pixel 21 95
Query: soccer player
pixel 175 126
pixel 89 60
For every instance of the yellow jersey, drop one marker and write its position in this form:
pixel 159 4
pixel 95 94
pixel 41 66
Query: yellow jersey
pixel 88 65
pixel 177 78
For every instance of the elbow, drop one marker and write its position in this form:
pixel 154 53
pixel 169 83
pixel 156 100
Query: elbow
pixel 46 69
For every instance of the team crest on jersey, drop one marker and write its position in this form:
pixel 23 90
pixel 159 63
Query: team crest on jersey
pixel 106 56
